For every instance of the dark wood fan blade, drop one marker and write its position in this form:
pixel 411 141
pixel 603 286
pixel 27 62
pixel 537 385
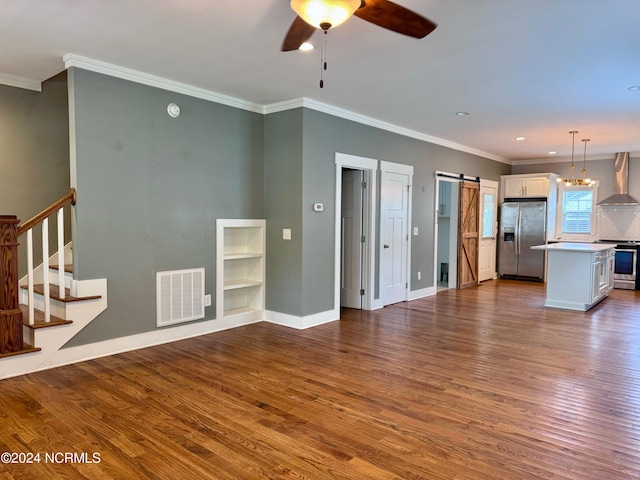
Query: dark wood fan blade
pixel 299 32
pixel 388 15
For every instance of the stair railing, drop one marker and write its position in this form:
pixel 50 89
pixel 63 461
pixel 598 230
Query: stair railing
pixel 27 227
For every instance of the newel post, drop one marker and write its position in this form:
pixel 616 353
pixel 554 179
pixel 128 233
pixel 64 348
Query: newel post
pixel 10 313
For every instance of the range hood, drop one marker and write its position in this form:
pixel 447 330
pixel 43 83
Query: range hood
pixel 621 187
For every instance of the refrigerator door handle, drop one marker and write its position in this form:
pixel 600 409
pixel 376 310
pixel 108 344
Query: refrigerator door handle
pixel 518 231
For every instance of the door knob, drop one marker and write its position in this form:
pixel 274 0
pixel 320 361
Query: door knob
pixel 386 246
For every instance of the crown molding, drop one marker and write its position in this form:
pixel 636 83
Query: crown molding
pixel 373 122
pixel 20 82
pixel 72 60
pixel 567 159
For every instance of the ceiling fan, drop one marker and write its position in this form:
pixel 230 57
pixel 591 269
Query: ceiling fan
pixel 326 14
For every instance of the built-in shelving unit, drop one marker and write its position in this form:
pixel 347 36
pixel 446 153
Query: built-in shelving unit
pixel 240 269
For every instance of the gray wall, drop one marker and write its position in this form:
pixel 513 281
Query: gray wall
pixel 34 153
pixel 283 207
pixel 150 188
pixel 323 136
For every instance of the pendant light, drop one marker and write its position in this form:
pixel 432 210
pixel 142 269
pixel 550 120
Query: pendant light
pixel 572 180
pixel 585 179
pixel 325 14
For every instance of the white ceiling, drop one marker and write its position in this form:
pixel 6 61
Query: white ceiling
pixel 533 68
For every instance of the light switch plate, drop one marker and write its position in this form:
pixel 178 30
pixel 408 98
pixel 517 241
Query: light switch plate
pixel 286 234
pixel 207 300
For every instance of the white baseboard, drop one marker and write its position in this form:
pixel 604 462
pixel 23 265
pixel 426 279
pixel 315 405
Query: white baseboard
pixel 67 356
pixel 301 323
pixel 423 292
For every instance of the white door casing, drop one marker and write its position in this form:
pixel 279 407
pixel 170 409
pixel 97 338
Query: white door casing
pixel 369 167
pixel 488 228
pixel 395 202
pixel 351 248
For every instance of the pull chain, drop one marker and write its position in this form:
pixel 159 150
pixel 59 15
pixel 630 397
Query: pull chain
pixel 323 59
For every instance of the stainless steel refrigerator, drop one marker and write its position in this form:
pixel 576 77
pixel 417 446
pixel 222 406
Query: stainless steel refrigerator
pixel 522 225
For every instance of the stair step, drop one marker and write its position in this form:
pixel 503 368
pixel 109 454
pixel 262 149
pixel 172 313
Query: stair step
pixel 54 292
pixel 68 267
pixel 26 348
pixel 39 319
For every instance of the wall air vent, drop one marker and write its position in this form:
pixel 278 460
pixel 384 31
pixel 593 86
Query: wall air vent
pixel 179 296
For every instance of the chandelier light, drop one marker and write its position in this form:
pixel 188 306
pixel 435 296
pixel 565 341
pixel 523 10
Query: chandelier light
pixel 325 14
pixel 572 180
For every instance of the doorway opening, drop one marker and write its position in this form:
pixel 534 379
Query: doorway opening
pixel 355 233
pixel 446 233
pixel 456 231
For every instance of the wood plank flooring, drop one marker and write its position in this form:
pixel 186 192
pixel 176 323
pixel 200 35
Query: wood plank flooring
pixel 478 384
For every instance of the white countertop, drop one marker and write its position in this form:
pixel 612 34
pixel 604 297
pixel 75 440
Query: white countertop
pixel 575 247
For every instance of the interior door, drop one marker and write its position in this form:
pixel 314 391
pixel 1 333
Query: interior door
pixel 394 236
pixel 351 241
pixel 468 234
pixel 488 226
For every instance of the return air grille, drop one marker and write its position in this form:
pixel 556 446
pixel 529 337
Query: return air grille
pixel 179 296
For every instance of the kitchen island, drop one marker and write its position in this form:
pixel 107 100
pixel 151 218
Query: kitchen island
pixel 579 275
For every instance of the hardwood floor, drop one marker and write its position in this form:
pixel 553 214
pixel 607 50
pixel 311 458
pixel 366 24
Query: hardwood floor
pixel 478 384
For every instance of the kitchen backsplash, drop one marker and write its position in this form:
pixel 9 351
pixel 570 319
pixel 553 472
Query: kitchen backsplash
pixel 619 223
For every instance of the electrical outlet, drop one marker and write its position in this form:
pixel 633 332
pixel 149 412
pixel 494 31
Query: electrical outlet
pixel 286 234
pixel 207 300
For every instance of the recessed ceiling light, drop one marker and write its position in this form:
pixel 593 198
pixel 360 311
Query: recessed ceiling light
pixel 519 139
pixel 462 114
pixel 552 152
pixel 634 88
pixel 306 46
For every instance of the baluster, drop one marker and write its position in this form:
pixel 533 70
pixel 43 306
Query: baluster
pixel 30 296
pixel 45 270
pixel 61 252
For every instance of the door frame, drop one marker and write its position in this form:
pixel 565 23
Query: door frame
pixel 400 169
pixel 484 183
pixel 370 168
pixel 441 176
pixel 452 280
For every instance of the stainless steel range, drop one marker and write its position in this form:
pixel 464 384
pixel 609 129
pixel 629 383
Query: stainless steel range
pixel 625 274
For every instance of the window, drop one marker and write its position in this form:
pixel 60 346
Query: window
pixel 488 221
pixel 577 210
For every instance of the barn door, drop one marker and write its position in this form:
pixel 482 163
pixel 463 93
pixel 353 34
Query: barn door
pixel 468 234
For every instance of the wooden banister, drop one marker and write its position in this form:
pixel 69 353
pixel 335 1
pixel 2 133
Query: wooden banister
pixel 68 199
pixel 11 318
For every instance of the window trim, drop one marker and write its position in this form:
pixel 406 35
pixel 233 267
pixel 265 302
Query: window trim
pixel 593 217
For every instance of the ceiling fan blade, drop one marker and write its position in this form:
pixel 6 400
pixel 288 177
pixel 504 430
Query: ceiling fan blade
pixel 393 17
pixel 299 32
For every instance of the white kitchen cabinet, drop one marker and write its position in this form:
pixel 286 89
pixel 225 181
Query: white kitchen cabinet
pixel 240 267
pixel 579 275
pixel 533 185
pixel 536 185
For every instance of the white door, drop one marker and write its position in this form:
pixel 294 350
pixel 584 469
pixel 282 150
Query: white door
pixel 351 242
pixel 488 226
pixel 394 214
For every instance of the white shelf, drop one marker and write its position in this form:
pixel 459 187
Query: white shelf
pixel 243 255
pixel 240 266
pixel 241 284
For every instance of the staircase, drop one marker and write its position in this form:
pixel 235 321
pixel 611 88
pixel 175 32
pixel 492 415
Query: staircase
pixel 42 311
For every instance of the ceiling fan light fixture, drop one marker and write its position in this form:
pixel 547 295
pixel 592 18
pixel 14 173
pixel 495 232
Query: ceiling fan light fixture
pixel 325 14
pixel 306 47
